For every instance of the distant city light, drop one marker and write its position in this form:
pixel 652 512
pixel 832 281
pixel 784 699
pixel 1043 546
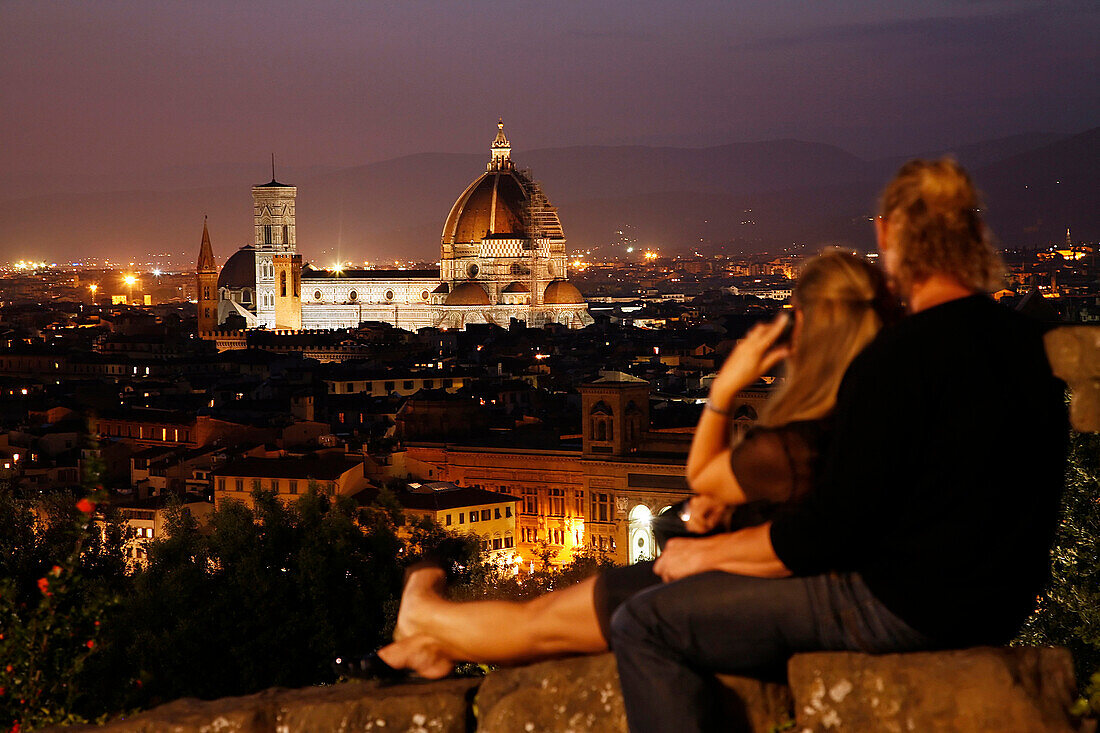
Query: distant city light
pixel 129 280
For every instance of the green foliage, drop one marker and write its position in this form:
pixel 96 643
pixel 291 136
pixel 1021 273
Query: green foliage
pixel 268 597
pixel 57 586
pixel 1068 612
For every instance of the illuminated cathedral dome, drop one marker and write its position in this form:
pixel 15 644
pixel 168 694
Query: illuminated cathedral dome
pixel 467 294
pixel 562 292
pixel 499 203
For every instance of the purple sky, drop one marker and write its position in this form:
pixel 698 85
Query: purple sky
pixel 125 87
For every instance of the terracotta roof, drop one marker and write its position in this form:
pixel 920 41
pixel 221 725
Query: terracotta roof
pixel 324 468
pixel 490 206
pixel 516 287
pixel 467 293
pixel 239 271
pixel 562 292
pixel 456 498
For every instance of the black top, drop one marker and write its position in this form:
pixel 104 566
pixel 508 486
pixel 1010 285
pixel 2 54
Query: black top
pixel 942 482
pixel 779 464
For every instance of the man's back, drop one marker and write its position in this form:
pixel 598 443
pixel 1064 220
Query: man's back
pixel 943 482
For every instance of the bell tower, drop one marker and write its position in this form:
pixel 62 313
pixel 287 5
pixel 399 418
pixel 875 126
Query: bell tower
pixel 206 273
pixel 288 290
pixel 273 221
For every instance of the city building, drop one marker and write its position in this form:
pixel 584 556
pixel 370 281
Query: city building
pixel 601 493
pixel 489 516
pixel 288 477
pixel 502 257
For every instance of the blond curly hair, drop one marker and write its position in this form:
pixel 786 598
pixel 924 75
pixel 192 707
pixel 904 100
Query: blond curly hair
pixel 934 214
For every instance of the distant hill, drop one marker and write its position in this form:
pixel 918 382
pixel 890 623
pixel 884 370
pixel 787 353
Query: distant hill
pixel 748 195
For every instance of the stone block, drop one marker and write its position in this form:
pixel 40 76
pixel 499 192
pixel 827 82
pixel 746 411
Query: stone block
pixel 422 707
pixel 439 707
pixel 1018 690
pixel 576 694
pixel 1074 353
pixel 583 694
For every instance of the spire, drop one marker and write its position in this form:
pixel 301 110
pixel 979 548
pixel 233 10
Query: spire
pixel 206 252
pixel 501 150
pixel 273 167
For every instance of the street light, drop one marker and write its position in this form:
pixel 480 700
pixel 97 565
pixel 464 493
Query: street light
pixel 130 280
pixel 93 287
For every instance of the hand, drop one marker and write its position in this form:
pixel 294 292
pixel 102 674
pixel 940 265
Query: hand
pixel 683 556
pixel 703 513
pixel 752 358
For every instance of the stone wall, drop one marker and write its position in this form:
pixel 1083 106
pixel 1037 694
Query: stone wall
pixel 982 689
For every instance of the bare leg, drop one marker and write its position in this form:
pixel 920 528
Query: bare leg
pixel 495 632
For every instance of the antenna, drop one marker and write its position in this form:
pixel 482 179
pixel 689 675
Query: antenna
pixel 273 166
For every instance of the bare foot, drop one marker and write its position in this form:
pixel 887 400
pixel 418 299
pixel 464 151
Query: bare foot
pixel 421 653
pixel 423 589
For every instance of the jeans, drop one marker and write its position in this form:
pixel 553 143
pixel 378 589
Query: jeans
pixel 671 639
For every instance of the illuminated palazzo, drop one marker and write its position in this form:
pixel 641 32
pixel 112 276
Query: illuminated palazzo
pixel 502 257
pixel 603 496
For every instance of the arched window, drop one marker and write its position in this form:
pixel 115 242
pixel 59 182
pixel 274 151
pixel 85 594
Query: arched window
pixel 267 234
pixel 601 430
pixel 282 284
pixel 286 234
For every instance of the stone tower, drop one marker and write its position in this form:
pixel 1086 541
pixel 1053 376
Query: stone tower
pixel 615 413
pixel 273 219
pixel 207 284
pixel 288 290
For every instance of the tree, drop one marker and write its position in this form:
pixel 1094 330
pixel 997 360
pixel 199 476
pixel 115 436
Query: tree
pixel 1068 613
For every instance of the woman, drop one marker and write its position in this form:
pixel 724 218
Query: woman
pixel 840 302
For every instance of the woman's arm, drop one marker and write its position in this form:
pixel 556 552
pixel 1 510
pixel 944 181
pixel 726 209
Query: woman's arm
pixel 745 552
pixel 708 464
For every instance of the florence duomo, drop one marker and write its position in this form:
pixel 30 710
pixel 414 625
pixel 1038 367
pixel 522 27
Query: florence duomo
pixel 502 257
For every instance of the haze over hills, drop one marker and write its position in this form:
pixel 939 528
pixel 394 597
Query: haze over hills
pixel 746 196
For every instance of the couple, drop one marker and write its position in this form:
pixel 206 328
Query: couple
pixel 911 474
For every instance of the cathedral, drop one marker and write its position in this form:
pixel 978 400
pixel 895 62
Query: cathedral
pixel 502 256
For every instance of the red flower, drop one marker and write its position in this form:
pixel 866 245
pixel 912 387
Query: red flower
pixel 85 506
pixel 55 571
pixel 44 586
pixel 90 644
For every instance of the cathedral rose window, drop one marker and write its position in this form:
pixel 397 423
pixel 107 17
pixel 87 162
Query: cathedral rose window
pixel 388 295
pixel 353 295
pixel 472 270
pixel 316 294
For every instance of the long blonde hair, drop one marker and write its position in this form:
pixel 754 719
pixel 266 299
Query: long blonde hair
pixel 844 302
pixel 934 213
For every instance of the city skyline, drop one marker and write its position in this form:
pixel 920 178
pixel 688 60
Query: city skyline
pixel 151 99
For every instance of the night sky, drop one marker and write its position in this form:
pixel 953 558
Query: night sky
pixel 120 87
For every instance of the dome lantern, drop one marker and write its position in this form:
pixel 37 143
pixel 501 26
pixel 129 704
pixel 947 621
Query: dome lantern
pixel 501 150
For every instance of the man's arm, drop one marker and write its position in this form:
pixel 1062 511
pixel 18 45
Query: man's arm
pixel 745 552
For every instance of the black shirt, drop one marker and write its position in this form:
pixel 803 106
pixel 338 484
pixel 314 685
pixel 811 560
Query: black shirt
pixel 942 481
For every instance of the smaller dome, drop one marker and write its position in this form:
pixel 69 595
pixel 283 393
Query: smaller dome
pixel 516 287
pixel 562 292
pixel 239 271
pixel 467 294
